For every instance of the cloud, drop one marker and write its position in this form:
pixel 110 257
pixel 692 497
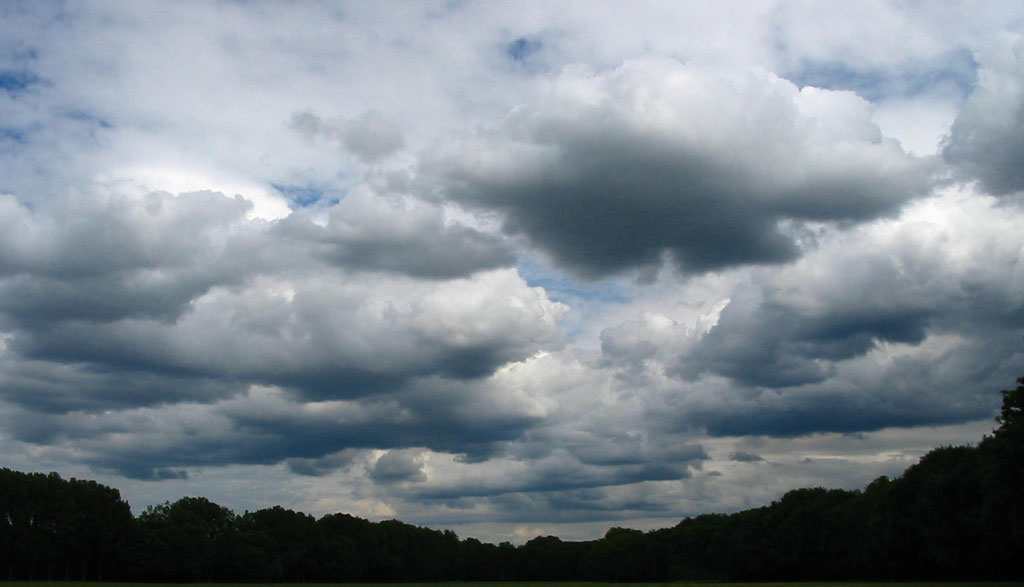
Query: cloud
pixel 562 471
pixel 398 234
pixel 186 286
pixel 320 466
pixel 898 323
pixel 985 142
pixel 745 457
pixel 102 259
pixel 613 170
pixel 326 335
pixel 212 422
pixel 370 137
pixel 399 466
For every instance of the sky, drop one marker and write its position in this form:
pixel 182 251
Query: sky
pixel 508 268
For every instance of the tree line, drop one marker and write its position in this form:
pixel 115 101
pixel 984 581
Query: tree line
pixel 956 514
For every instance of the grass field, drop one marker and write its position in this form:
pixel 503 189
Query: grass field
pixel 510 584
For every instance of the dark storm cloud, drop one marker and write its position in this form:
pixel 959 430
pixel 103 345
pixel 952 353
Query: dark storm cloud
pixel 613 171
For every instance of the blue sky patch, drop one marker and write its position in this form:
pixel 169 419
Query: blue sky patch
pixel 957 69
pixel 302 196
pixel 12 135
pixel 522 48
pixel 563 288
pixel 17 81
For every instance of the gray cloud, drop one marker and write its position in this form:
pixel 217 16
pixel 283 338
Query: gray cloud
pixel 370 136
pixel 575 505
pixel 399 466
pixel 745 457
pixel 187 287
pixel 613 170
pixel 121 258
pixel 228 425
pixel 560 471
pixel 890 331
pixel 320 466
pixel 53 387
pixel 985 142
pixel 762 342
pixel 334 337
pixel 118 311
pixel 396 234
pixel 898 323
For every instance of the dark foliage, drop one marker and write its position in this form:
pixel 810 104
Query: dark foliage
pixel 56 529
pixel 956 514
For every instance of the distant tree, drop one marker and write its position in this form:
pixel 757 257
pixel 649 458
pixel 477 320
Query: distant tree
pixel 98 523
pixel 52 528
pixel 548 558
pixel 682 552
pixel 350 543
pixel 289 541
pixel 621 555
pixel 1001 511
pixel 198 535
pixel 1011 416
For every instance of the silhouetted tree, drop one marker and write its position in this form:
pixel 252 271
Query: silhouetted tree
pixel 52 528
pixel 196 537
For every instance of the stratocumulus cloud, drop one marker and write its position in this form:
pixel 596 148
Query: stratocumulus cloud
pixel 512 273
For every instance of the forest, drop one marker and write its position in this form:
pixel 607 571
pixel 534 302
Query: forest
pixel 956 514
